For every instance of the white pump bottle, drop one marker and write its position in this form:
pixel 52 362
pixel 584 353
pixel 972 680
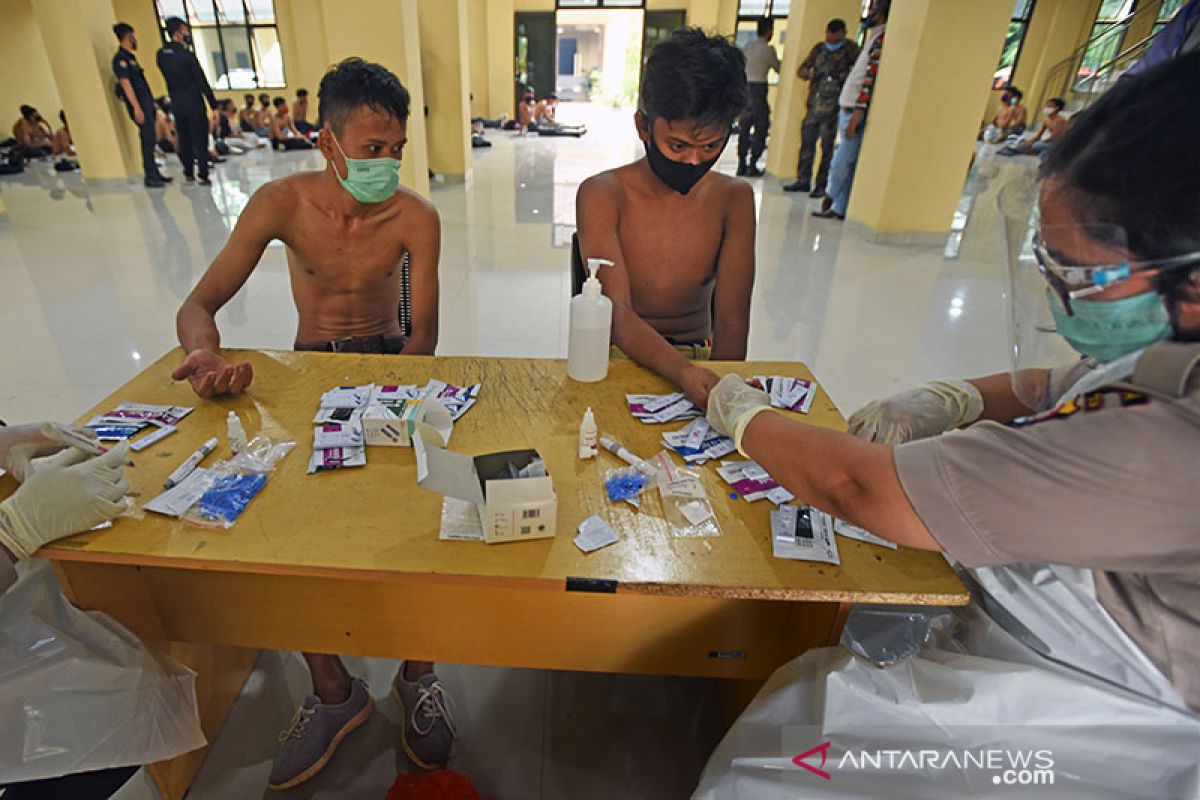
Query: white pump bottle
pixel 591 329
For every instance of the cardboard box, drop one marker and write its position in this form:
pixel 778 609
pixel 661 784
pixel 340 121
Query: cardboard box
pixel 392 423
pixel 511 509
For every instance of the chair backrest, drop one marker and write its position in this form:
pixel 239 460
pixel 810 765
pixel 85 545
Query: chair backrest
pixel 405 296
pixel 578 272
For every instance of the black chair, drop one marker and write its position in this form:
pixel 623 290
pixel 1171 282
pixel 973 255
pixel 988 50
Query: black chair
pixel 578 271
pixel 405 296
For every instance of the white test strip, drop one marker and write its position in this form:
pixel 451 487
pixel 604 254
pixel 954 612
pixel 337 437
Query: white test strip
pixel 157 436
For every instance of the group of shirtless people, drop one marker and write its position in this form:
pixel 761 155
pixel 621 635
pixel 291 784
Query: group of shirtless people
pixel 286 127
pixel 36 136
pixel 681 238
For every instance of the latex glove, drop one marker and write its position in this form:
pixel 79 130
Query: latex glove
pixel 20 444
pixel 71 493
pixel 919 413
pixel 732 404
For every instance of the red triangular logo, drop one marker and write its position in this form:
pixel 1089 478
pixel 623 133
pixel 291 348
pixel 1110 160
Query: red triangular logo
pixel 823 749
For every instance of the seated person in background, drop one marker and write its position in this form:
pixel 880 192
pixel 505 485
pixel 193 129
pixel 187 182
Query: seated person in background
pixel 300 112
pixel 527 112
pixel 32 133
pixel 225 137
pixel 1010 119
pixel 284 135
pixel 164 128
pixel 62 143
pixel 545 117
pixel 346 230
pixel 247 116
pixel 262 119
pixel 1053 126
pixel 682 238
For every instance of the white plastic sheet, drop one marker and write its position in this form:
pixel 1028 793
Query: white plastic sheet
pixel 973 687
pixel 80 692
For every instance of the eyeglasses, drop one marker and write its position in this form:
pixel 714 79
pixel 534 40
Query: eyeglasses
pixel 1071 282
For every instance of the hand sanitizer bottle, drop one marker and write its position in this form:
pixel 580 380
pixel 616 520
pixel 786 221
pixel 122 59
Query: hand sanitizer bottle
pixel 591 329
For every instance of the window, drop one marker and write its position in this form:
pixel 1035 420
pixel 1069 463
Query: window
pixel 1018 26
pixel 1106 39
pixel 236 41
pixel 751 11
pixel 600 3
pixel 1166 12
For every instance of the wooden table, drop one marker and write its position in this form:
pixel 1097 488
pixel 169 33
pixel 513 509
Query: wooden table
pixel 350 562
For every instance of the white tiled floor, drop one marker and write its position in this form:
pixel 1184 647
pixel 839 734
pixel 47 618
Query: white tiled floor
pixel 92 279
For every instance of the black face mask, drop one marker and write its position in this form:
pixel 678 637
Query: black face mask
pixel 678 175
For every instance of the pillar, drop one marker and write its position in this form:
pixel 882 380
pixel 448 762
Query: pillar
pixel 23 54
pixel 477 35
pixel 446 71
pixel 1055 31
pixel 80 45
pixel 501 60
pixel 387 34
pixel 714 16
pixel 805 27
pixel 934 80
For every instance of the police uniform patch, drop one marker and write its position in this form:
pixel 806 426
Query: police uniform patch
pixel 122 64
pixel 1092 401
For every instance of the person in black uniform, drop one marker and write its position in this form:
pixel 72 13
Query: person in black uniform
pixel 188 89
pixel 133 89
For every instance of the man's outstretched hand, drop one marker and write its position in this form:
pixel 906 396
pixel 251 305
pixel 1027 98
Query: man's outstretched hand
pixel 211 375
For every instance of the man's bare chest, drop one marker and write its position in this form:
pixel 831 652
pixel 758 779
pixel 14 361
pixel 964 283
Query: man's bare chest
pixel 344 260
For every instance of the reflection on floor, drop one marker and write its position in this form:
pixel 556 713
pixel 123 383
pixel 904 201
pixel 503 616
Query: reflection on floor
pixel 92 278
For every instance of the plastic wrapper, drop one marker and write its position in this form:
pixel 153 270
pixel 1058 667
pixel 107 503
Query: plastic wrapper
pixel 79 692
pixel 1034 663
pixel 225 489
pixel 627 483
pixel 685 503
pixel 886 635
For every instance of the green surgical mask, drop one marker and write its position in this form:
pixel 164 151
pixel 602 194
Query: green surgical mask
pixel 1107 330
pixel 369 180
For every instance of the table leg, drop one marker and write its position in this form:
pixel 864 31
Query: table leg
pixel 221 670
pixel 220 674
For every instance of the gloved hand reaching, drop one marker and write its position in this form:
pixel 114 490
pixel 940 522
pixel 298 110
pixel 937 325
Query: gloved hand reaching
pixel 20 444
pixel 919 413
pixel 70 493
pixel 732 403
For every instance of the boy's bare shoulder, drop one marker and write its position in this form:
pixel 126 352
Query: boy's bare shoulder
pixel 730 187
pixel 609 185
pixel 412 205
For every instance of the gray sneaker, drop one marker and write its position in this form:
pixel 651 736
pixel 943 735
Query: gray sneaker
pixel 314 733
pixel 428 731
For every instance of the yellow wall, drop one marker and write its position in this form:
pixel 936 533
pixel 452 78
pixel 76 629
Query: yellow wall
pixel 23 62
pixel 388 34
pixel 446 75
pixel 933 84
pixel 477 37
pixel 500 58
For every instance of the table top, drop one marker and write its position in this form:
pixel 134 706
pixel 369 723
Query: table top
pixel 374 522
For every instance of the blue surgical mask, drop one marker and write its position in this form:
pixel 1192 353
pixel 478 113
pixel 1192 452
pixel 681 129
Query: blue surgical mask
pixel 369 180
pixel 833 47
pixel 1107 330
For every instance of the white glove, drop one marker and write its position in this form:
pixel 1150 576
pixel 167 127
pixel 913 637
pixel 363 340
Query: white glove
pixel 732 404
pixel 70 493
pixel 918 413
pixel 20 444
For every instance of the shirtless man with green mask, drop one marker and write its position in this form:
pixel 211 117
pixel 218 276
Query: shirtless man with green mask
pixel 346 230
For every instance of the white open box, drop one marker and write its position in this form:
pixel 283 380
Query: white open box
pixel 511 509
pixel 393 424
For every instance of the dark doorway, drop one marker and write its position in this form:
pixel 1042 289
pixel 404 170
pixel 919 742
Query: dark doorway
pixel 660 25
pixel 534 47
